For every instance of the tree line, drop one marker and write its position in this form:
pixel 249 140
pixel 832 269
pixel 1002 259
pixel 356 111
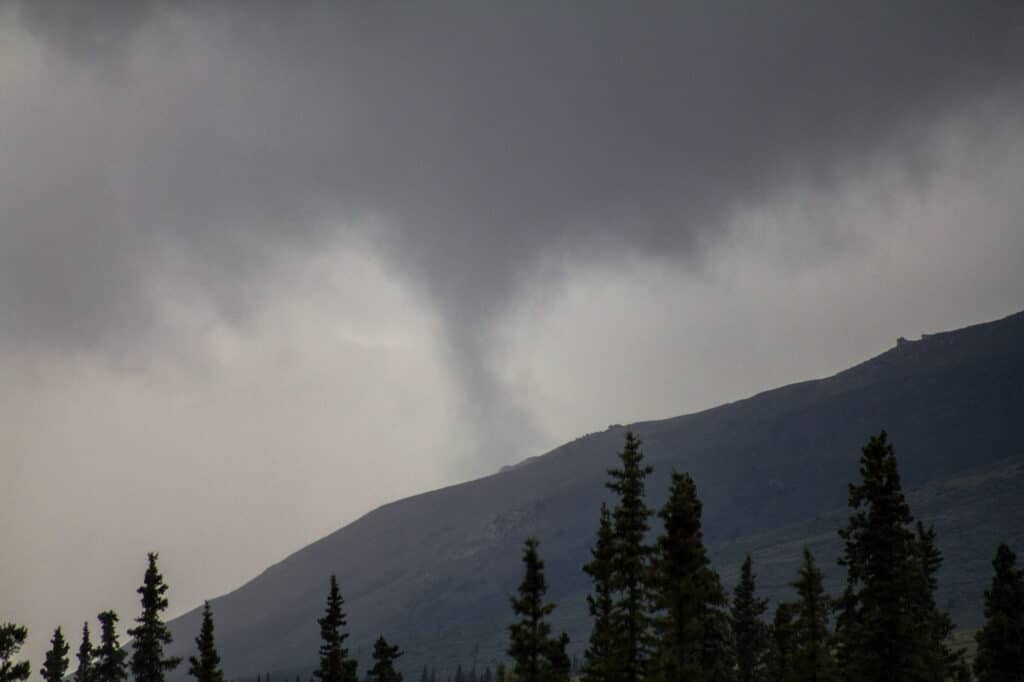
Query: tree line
pixel 659 612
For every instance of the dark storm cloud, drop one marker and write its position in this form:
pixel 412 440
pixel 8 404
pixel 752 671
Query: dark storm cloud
pixel 469 137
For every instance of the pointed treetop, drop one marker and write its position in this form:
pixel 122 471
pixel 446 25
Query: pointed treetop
pixel 85 657
pixel 206 668
pixel 56 664
pixel 151 634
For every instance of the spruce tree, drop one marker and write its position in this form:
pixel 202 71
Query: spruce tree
pixel 599 657
pixel 811 658
pixel 750 634
pixel 782 636
pixel 936 659
pixel 12 638
pixel 559 662
pixel 631 564
pixel 538 656
pixel 85 657
pixel 206 668
pixel 335 663
pixel 151 634
pixel 879 626
pixel 1000 656
pixel 694 641
pixel 110 658
pixel 56 664
pixel 384 657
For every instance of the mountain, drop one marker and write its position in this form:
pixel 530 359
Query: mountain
pixel 433 572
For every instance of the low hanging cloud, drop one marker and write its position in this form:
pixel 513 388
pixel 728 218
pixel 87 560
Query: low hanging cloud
pixel 212 142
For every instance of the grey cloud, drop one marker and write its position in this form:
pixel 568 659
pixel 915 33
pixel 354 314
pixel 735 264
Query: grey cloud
pixel 471 137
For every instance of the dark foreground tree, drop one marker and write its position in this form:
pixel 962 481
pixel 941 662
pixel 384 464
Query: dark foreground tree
pixel 599 657
pixel 1000 656
pixel 206 666
pixel 694 641
pixel 938 661
pixel 335 663
pixel 538 656
pixel 56 664
pixel 811 658
pixel 85 657
pixel 384 657
pixel 782 636
pixel 750 633
pixel 631 564
pixel 111 659
pixel 884 631
pixel 12 638
pixel 151 634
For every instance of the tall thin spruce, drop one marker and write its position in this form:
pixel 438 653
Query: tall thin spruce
pixel 888 626
pixel 811 658
pixel 85 657
pixel 335 663
pixel 599 657
pixel 631 564
pixel 206 666
pixel 56 664
pixel 750 633
pixel 151 635
pixel 538 656
pixel 694 639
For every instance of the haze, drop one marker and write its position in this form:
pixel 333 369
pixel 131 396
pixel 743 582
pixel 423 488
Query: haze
pixel 265 266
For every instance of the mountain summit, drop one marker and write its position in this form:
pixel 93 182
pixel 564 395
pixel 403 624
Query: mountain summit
pixel 433 572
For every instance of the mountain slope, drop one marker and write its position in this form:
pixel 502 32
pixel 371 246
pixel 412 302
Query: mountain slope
pixel 433 571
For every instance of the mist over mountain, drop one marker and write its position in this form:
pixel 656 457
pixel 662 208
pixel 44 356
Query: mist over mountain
pixel 433 572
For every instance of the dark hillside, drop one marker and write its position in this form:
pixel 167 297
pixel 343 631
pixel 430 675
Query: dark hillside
pixel 434 571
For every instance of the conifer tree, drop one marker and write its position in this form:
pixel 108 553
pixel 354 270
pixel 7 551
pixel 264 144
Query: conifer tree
pixel 151 634
pixel 206 668
pixel 1000 656
pixel 56 664
pixel 631 564
pixel 811 658
pixel 782 636
pixel 335 663
pixel 599 657
pixel 936 660
pixel 85 657
pixel 110 663
pixel 538 656
pixel 384 657
pixel 12 638
pixel 694 641
pixel 559 663
pixel 879 626
pixel 750 633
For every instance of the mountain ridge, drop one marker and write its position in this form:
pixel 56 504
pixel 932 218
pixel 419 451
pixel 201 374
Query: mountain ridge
pixel 432 570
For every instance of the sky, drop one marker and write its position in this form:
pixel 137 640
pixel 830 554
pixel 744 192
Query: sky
pixel 265 266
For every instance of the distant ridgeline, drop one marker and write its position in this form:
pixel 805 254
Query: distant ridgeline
pixel 808 552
